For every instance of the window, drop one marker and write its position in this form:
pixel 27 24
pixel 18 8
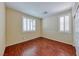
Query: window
pixel 29 24
pixel 64 24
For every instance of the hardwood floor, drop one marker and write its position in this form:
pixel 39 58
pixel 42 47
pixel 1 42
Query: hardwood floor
pixel 40 47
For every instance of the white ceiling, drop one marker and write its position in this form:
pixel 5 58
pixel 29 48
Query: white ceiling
pixel 38 8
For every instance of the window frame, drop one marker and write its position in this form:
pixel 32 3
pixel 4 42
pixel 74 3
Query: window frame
pixel 64 23
pixel 28 30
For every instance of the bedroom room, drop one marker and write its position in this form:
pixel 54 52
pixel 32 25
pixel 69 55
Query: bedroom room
pixel 39 28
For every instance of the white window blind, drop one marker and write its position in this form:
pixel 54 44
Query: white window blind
pixel 29 24
pixel 61 23
pixel 64 24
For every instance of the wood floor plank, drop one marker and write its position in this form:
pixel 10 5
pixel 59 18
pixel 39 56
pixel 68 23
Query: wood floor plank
pixel 40 47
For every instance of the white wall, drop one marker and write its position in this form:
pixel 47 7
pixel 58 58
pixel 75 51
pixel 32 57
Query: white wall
pixel 2 28
pixel 75 27
pixel 14 27
pixel 51 28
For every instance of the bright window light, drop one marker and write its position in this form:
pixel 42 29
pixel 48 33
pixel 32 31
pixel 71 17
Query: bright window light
pixel 29 24
pixel 64 24
pixel 61 23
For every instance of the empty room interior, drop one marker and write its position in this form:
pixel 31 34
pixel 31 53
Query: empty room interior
pixel 39 28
